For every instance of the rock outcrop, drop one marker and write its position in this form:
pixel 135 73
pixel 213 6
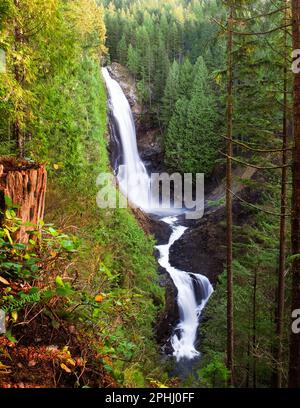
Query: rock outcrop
pixel 202 249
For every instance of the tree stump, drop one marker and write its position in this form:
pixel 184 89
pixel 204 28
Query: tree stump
pixel 25 184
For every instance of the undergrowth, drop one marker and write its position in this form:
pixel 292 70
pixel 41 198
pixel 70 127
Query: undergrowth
pixel 101 287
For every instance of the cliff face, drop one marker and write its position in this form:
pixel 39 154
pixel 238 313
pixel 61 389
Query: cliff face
pixel 128 84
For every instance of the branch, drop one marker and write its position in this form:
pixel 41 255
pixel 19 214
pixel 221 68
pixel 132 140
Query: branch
pixel 276 51
pixel 262 15
pixel 258 208
pixel 246 146
pixel 288 108
pixel 257 33
pixel 264 32
pixel 257 129
pixel 253 165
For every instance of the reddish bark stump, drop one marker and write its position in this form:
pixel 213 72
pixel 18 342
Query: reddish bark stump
pixel 25 184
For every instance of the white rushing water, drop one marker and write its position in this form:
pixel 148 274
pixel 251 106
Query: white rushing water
pixel 187 284
pixel 132 176
pixel 193 290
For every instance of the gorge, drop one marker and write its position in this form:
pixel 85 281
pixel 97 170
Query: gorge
pixel 193 290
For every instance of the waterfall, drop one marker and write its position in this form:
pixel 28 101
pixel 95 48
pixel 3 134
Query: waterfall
pixel 193 290
pixel 132 175
pixel 185 335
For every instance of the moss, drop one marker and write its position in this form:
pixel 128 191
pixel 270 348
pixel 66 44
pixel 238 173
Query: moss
pixel 117 257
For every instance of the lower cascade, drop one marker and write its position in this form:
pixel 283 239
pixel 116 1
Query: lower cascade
pixel 188 286
pixel 194 290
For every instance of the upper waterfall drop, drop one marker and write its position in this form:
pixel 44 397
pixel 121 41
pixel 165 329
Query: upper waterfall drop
pixel 132 176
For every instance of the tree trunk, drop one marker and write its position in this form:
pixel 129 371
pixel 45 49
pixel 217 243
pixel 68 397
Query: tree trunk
pixel 279 317
pixel 17 132
pixel 230 327
pixel 254 327
pixel 294 365
pixel 25 184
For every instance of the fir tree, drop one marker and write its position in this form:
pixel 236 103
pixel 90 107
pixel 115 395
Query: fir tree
pixel 122 51
pixel 171 93
pixel 133 60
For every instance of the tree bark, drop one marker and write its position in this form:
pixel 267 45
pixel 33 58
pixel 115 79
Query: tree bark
pixel 17 132
pixel 294 364
pixel 25 184
pixel 230 325
pixel 279 317
pixel 254 327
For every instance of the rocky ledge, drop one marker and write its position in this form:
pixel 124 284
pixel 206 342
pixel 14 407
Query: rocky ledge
pixel 202 249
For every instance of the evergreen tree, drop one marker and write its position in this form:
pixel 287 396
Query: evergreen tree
pixel 186 78
pixel 133 60
pixel 162 66
pixel 201 123
pixel 294 367
pixel 171 93
pixel 122 51
pixel 176 136
pixel 192 140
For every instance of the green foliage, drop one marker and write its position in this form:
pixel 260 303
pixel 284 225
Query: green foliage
pixel 171 93
pixel 159 33
pixel 23 261
pixel 20 263
pixel 133 60
pixel 122 51
pixel 163 44
pixel 192 139
pixel 133 378
pixel 118 262
pixel 214 375
pixel 58 34
pixel 14 303
pixel 108 287
pixel 68 135
pixel 255 279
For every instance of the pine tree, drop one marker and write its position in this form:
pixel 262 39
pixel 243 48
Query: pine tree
pixel 280 292
pixel 192 140
pixel 122 51
pixel 171 93
pixel 201 122
pixel 175 139
pixel 294 369
pixel 229 214
pixel 162 67
pixel 186 78
pixel 133 61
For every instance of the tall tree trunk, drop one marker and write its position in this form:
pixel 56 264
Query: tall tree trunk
pixel 248 357
pixel 282 246
pixel 17 132
pixel 254 328
pixel 25 184
pixel 294 365
pixel 230 326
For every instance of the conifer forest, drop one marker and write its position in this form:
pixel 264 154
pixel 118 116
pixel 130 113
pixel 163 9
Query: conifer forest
pixel 149 195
